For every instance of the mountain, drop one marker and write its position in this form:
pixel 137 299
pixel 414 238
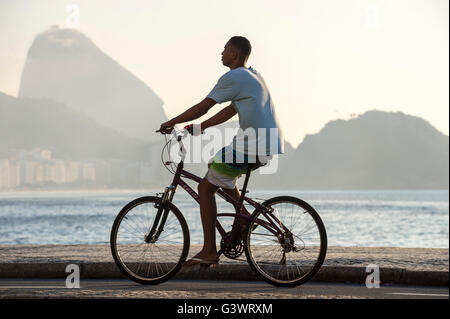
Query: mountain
pixel 28 123
pixel 65 66
pixel 376 150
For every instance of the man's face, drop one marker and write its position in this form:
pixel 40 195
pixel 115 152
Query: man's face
pixel 229 54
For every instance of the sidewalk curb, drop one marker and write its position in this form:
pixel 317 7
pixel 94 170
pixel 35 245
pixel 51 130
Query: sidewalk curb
pixel 240 272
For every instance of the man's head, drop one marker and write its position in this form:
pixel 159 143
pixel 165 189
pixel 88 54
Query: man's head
pixel 236 51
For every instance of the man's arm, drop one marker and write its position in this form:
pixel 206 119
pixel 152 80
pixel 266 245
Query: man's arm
pixel 192 113
pixel 221 117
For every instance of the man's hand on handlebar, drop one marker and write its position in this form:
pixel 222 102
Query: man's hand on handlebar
pixel 166 127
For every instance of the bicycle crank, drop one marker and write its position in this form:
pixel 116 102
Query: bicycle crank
pixel 232 251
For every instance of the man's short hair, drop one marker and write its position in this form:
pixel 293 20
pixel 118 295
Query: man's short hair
pixel 242 44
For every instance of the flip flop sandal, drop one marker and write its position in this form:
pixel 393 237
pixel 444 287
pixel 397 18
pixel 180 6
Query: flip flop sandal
pixel 198 261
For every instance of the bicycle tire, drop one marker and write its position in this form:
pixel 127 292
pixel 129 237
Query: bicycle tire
pixel 264 275
pixel 174 266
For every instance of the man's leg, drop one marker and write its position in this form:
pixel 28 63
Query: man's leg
pixel 208 213
pixel 239 223
pixel 236 194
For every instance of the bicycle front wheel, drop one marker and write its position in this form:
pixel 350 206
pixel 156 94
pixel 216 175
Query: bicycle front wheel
pixel 294 255
pixel 149 261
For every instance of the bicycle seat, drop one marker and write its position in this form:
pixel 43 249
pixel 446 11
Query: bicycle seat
pixel 253 166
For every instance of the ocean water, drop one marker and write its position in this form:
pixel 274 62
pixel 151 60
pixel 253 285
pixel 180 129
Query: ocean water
pixel 352 218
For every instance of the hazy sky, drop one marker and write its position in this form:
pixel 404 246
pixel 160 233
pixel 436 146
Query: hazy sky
pixel 322 59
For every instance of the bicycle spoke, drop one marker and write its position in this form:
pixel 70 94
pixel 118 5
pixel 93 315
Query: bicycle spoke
pixel 148 262
pixel 288 257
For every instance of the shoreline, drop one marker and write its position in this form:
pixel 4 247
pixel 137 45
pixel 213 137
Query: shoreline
pixel 155 188
pixel 96 190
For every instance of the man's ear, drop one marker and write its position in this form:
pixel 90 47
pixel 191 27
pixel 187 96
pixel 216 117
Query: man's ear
pixel 234 53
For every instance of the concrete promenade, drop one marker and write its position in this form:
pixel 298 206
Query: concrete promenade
pixel 412 266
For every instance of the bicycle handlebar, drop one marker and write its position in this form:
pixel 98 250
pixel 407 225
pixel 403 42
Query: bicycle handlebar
pixel 188 129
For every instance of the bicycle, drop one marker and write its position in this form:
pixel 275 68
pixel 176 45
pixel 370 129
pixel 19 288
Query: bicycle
pixel 285 241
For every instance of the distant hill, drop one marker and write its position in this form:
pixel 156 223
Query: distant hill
pixel 376 150
pixel 29 123
pixel 65 66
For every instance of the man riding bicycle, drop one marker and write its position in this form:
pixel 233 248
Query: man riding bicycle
pixel 258 139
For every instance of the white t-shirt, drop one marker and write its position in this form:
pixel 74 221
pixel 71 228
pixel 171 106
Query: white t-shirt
pixel 259 132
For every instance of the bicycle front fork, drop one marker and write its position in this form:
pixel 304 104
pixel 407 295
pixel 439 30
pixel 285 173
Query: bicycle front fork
pixel 163 199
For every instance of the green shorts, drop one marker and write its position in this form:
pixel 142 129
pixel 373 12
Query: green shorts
pixel 227 166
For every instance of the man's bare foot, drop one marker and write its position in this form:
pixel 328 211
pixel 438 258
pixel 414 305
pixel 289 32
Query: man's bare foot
pixel 202 258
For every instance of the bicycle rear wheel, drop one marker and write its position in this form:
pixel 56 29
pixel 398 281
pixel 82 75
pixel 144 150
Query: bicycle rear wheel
pixel 149 262
pixel 295 259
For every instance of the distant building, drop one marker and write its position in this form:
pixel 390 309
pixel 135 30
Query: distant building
pixel 27 169
pixel 72 171
pixel 39 174
pixel 4 174
pixel 59 171
pixel 14 174
pixel 38 168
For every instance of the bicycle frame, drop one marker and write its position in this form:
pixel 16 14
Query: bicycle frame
pixel 279 272
pixel 270 224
